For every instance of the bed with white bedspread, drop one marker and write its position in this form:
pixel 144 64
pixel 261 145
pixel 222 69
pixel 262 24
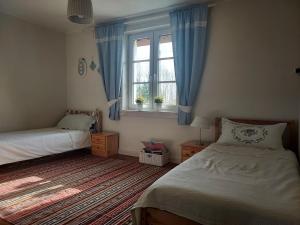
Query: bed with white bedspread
pixel 226 185
pixel 247 178
pixel 29 144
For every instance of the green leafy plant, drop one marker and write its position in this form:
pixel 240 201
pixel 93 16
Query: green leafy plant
pixel 158 99
pixel 139 100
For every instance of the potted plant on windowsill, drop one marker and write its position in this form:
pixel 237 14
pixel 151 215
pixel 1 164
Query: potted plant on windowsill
pixel 158 100
pixel 140 101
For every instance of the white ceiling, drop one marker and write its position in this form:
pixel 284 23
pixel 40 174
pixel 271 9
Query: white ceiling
pixel 52 13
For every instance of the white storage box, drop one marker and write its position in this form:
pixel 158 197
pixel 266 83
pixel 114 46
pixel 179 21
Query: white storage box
pixel 154 159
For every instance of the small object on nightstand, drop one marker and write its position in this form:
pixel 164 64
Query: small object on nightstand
pixel 105 144
pixel 188 149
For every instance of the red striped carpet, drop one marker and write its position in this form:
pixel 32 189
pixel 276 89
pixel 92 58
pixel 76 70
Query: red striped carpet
pixel 79 189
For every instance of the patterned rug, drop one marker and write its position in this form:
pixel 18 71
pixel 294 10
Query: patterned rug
pixel 79 189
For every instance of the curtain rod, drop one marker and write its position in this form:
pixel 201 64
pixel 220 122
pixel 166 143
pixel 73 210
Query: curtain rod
pixel 136 18
pixel 153 15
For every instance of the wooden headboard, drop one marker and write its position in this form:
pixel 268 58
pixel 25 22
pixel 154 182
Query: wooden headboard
pixel 96 114
pixel 290 136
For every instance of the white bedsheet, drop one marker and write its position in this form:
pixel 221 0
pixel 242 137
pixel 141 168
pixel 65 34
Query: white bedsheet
pixel 230 185
pixel 29 144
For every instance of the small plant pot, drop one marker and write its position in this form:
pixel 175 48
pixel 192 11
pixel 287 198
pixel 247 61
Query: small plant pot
pixel 140 107
pixel 158 106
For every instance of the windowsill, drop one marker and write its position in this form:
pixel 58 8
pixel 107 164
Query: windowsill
pixel 164 114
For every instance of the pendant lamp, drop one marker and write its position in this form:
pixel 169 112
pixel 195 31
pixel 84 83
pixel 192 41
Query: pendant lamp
pixel 80 11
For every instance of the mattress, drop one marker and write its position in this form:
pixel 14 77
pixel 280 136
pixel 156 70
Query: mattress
pixel 225 185
pixel 29 144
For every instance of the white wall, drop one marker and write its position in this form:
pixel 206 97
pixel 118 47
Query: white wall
pixel 32 75
pixel 253 50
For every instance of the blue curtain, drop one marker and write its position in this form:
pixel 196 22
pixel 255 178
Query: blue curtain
pixel 110 38
pixel 189 26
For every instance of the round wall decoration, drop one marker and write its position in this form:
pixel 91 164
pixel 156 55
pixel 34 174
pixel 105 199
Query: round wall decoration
pixel 82 67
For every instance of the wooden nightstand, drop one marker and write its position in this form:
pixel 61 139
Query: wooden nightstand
pixel 188 149
pixel 105 144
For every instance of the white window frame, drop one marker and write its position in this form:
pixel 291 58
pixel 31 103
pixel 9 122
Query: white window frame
pixel 154 36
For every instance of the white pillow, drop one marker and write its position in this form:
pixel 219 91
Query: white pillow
pixel 264 136
pixel 76 122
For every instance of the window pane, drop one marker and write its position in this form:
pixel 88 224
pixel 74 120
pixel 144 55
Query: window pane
pixel 168 92
pixel 165 46
pixel 141 49
pixel 141 72
pixel 166 70
pixel 141 90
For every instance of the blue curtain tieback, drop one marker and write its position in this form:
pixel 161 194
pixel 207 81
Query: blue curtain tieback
pixel 113 101
pixel 186 109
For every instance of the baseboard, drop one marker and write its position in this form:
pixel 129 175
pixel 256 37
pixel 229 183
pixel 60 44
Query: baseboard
pixel 129 153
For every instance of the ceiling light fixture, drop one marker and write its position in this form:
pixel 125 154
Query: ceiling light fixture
pixel 80 11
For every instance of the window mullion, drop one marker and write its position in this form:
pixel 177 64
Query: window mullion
pixel 152 70
pixel 130 71
pixel 139 61
pixel 166 58
pixel 166 81
pixel 155 66
pixel 141 82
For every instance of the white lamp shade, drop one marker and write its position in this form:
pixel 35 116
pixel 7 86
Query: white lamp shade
pixel 201 122
pixel 80 11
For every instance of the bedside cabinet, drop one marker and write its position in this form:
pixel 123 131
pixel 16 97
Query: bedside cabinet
pixel 188 149
pixel 105 144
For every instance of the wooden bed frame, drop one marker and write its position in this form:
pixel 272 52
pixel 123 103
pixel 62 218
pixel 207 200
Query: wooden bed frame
pixel 152 216
pixel 290 135
pixel 97 115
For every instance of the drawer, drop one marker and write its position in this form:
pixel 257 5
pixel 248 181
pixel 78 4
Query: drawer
pixel 98 148
pixel 101 154
pixel 98 140
pixel 190 148
pixel 187 155
pixel 191 151
pixel 184 158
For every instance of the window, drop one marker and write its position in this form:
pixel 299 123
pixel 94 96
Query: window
pixel 151 69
